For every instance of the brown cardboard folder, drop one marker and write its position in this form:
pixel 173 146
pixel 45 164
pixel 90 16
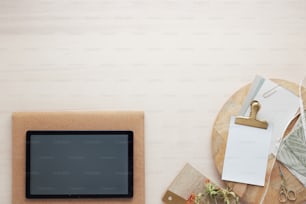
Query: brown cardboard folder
pixel 127 120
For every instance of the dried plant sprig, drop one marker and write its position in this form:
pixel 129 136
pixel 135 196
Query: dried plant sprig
pixel 198 198
pixel 228 196
pixel 212 193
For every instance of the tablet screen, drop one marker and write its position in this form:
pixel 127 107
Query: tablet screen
pixel 79 164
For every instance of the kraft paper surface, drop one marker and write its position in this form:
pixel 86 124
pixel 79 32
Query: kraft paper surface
pixel 127 120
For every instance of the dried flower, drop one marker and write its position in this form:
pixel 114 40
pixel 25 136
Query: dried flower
pixel 191 199
pixel 212 193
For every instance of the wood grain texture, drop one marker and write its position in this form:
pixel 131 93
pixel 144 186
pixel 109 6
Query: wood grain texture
pixel 177 60
pixel 249 193
pixel 76 121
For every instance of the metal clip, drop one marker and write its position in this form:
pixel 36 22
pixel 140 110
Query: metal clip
pixel 251 120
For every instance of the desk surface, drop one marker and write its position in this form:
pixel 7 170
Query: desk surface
pixel 179 61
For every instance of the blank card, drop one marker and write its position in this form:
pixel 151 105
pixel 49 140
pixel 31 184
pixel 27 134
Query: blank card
pixel 246 154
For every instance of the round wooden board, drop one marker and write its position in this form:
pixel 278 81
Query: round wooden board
pixel 249 193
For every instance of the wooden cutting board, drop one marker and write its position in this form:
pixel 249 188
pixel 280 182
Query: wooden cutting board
pixel 249 193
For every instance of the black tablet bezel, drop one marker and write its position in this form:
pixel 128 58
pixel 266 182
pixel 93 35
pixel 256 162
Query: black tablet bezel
pixel 74 132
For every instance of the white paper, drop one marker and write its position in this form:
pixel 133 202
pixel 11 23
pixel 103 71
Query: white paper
pixel 278 107
pixel 246 154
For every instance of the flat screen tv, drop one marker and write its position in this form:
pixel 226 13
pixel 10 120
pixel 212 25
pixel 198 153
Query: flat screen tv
pixel 79 164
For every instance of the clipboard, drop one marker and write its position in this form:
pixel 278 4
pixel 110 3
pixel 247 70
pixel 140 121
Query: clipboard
pixel 247 149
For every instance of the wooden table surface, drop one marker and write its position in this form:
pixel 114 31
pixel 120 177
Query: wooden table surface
pixel 178 61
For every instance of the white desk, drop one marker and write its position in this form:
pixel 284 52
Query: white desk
pixel 178 61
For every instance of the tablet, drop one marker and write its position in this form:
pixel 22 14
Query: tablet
pixel 79 164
